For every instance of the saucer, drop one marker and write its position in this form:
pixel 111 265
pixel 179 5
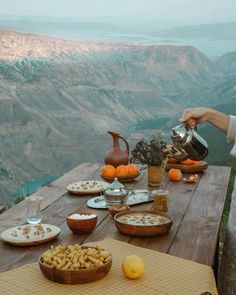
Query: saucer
pixel 136 197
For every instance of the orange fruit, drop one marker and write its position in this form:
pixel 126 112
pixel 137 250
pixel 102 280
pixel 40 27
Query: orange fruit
pixel 187 162
pixel 192 179
pixel 197 162
pixel 122 171
pixel 132 169
pixel 175 174
pixel 108 171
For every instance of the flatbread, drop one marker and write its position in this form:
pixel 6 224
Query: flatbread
pixel 30 234
pixel 87 187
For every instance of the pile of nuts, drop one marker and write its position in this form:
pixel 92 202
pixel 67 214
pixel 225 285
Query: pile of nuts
pixel 75 257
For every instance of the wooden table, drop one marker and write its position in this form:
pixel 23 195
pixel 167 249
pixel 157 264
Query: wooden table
pixel 196 208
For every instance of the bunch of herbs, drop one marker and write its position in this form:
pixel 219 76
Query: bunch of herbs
pixel 150 152
pixel 155 152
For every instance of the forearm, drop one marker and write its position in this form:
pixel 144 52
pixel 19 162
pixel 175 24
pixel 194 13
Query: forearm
pixel 218 119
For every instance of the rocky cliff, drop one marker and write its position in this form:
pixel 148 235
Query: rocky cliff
pixel 58 98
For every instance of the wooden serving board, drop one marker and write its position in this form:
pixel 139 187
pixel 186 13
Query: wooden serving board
pixel 194 168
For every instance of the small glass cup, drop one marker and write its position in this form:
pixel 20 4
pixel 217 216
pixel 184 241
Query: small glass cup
pixel 33 212
pixel 160 198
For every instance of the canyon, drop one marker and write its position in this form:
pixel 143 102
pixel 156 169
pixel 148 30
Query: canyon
pixel 59 97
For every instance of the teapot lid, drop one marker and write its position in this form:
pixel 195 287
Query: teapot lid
pixel 179 131
pixel 115 188
pixel 181 135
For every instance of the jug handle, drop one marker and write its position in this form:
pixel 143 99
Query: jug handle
pixel 126 143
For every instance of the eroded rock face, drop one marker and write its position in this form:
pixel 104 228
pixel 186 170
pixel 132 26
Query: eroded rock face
pixel 58 98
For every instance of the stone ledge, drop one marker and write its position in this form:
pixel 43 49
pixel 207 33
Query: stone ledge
pixel 2 209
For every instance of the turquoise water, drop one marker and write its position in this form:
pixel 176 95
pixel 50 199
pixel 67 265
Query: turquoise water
pixel 28 188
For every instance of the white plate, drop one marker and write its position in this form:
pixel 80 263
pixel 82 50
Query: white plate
pixel 87 187
pixel 30 234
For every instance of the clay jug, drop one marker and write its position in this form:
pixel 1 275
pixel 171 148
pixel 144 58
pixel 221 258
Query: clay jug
pixel 116 156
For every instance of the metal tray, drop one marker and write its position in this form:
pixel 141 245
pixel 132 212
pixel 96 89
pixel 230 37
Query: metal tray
pixel 134 198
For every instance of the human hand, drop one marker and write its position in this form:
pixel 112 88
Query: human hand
pixel 192 117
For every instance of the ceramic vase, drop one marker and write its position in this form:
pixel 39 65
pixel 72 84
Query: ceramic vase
pixel 116 156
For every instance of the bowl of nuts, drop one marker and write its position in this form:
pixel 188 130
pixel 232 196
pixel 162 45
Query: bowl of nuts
pixel 117 208
pixel 81 222
pixel 75 264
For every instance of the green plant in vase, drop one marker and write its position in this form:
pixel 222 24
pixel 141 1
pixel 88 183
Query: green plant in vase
pixel 154 153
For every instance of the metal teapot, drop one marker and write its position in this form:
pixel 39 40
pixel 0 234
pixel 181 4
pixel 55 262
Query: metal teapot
pixel 115 193
pixel 190 141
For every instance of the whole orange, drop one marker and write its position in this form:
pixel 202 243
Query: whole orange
pixel 132 169
pixel 122 170
pixel 187 162
pixel 108 171
pixel 175 174
pixel 197 162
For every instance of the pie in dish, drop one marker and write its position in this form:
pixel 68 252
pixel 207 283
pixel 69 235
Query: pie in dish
pixel 143 219
pixel 143 223
pixel 87 187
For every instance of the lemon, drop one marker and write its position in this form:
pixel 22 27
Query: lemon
pixel 133 266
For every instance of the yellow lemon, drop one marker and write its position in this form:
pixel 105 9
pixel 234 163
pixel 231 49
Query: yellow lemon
pixel 133 266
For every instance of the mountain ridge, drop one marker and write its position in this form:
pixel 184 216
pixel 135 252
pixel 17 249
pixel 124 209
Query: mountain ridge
pixel 58 98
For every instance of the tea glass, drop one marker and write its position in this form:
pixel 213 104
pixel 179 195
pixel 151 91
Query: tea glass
pixel 160 198
pixel 33 212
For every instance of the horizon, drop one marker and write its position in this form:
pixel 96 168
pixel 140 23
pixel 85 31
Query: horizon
pixel 214 11
pixel 105 17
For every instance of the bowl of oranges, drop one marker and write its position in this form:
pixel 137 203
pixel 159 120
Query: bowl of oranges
pixel 124 173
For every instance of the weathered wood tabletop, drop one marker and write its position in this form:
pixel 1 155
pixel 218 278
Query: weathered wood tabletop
pixel 197 210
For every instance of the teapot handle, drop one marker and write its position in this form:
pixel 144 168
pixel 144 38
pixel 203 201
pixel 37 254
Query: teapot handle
pixel 188 128
pixel 126 143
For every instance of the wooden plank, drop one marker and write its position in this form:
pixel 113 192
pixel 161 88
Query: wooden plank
pixel 196 168
pixel 180 195
pixel 227 279
pixel 200 225
pixel 182 205
pixel 54 214
pixel 16 215
pixel 107 228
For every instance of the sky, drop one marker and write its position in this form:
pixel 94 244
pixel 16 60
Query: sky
pixel 199 10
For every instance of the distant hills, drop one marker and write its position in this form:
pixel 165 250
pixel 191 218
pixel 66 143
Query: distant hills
pixel 212 39
pixel 58 98
pixel 116 25
pixel 224 31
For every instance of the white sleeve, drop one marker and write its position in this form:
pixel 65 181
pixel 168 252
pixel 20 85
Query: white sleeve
pixel 231 134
